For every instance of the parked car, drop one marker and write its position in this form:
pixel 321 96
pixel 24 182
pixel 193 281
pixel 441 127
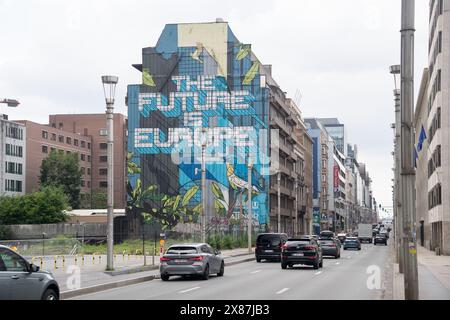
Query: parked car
pixel 352 243
pixel 385 233
pixel 330 247
pixel 21 280
pixel 303 250
pixel 198 259
pixel 268 246
pixel 380 238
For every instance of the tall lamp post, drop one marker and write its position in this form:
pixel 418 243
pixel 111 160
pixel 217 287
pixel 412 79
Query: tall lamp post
pixel 109 89
pixel 204 141
pixel 10 102
pixel 250 214
pixel 407 144
pixel 279 201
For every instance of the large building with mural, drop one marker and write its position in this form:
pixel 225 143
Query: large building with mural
pixel 206 98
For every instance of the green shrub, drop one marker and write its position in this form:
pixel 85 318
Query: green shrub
pixel 5 233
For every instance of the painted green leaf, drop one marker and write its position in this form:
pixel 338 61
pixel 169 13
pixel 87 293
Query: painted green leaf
pixel 189 194
pixel 243 52
pixel 217 191
pixel 251 73
pixel 147 78
pixel 176 203
pixel 232 184
pixel 198 208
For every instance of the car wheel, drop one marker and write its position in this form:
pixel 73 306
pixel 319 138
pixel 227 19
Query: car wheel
pixel 50 294
pixel 284 266
pixel 258 259
pixel 316 265
pixel 385 244
pixel 206 273
pixel 222 270
pixel 345 248
pixel 321 264
pixel 165 277
pixel 359 249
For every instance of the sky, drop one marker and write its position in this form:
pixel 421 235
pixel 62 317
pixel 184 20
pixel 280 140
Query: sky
pixel 335 53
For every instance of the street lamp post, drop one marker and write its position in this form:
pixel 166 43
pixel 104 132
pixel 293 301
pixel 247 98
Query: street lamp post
pixel 249 203
pixel 279 201
pixel 10 102
pixel 109 89
pixel 407 145
pixel 204 142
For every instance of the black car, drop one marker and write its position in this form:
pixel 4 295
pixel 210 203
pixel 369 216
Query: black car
pixel 380 238
pixel 304 250
pixel 330 247
pixel 268 246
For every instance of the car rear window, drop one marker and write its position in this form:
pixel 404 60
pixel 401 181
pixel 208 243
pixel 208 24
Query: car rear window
pixel 182 250
pixel 326 241
pixel 273 240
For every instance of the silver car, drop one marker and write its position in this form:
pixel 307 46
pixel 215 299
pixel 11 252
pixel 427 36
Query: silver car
pixel 20 280
pixel 198 259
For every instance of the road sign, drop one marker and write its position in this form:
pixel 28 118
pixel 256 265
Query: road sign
pixel 162 242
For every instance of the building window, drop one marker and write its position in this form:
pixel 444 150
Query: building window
pixel 103 172
pixel 89 171
pixel 83 157
pixel 44 149
pixel 435 197
pixel 88 184
pixel 103 159
pixel 60 125
pixel 82 183
pixel 69 140
pixel 89 158
pixel 53 137
pixel 83 144
pixel 45 134
pixel 13 131
pixel 103 146
pixel 89 145
pixel 14 151
pixel 83 170
pixel 75 142
pixel 68 152
pixel 61 139
pixel 103 184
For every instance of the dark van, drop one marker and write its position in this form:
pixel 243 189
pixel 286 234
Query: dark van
pixel 268 246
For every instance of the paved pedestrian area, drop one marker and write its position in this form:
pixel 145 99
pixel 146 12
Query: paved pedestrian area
pixel 75 272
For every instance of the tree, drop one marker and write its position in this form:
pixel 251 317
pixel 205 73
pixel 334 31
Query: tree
pixel 63 171
pixel 44 206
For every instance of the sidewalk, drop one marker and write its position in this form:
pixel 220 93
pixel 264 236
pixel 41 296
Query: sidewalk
pixel 128 270
pixel 434 277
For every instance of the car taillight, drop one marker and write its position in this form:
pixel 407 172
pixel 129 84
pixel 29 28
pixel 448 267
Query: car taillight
pixel 284 247
pixel 309 247
pixel 199 258
pixel 162 259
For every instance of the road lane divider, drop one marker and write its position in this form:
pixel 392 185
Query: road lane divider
pixel 188 290
pixel 317 273
pixel 283 291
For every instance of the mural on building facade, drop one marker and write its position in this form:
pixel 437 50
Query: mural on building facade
pixel 201 90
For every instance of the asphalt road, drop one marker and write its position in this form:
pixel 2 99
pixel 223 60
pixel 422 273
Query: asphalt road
pixel 339 279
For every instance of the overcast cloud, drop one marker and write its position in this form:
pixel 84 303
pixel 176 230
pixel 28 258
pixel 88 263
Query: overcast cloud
pixel 337 53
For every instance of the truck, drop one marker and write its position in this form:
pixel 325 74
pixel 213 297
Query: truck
pixel 365 232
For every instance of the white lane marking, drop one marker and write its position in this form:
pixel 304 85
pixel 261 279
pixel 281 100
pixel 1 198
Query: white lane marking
pixel 256 271
pixel 337 263
pixel 191 289
pixel 317 273
pixel 282 291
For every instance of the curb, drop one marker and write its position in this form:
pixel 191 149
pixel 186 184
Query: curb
pixel 398 284
pixel 131 270
pixel 112 285
pixel 105 286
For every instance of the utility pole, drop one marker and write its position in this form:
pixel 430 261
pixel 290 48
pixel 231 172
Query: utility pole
pixel 249 203
pixel 109 89
pixel 407 145
pixel 279 201
pixel 398 193
pixel 203 217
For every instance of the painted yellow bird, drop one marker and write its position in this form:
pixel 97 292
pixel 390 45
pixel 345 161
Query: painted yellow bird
pixel 236 181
